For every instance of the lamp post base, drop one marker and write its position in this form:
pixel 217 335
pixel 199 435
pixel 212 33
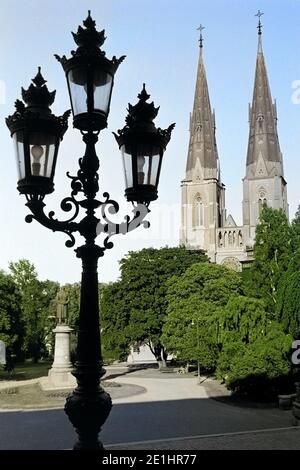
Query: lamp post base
pixel 88 410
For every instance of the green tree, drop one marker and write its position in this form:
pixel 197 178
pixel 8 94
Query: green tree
pixel 115 314
pixel 195 303
pixel 190 331
pixel 288 299
pixel 288 305
pixel 261 369
pixel 11 328
pixel 255 350
pixel 36 298
pixel 272 253
pixel 244 319
pixel 296 231
pixel 143 287
pixel 213 282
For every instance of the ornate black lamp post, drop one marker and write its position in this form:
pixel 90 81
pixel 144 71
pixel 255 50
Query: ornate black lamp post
pixel 37 133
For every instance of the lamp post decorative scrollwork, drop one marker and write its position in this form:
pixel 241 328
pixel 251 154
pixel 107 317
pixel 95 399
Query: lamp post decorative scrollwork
pixel 37 133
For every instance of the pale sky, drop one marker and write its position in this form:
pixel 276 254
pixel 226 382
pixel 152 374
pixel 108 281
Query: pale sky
pixel 160 40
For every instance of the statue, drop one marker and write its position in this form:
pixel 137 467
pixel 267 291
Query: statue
pixel 62 300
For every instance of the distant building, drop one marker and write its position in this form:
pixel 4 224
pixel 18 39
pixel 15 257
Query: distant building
pixel 205 223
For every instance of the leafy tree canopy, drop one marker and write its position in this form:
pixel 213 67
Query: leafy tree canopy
pixel 36 299
pixel 143 287
pixel 11 328
pixel 195 303
pixel 272 254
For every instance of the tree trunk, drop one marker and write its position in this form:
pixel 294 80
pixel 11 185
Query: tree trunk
pixel 158 352
pixel 165 356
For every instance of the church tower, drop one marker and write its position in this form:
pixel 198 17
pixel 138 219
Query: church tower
pixel 203 194
pixel 264 181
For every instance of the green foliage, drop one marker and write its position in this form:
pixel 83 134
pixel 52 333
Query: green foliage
pixel 288 305
pixel 215 283
pixel 255 354
pixel 114 314
pixel 260 369
pixel 195 303
pixel 273 250
pixel 11 328
pixel 140 296
pixel 36 301
pixel 295 226
pixel 288 299
pixel 244 319
pixel 191 331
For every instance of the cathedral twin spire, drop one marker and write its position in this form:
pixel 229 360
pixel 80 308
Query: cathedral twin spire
pixel 205 224
pixel 264 155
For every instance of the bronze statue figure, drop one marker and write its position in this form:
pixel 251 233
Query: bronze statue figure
pixel 62 300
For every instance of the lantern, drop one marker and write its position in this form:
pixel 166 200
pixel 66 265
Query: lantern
pixel 36 133
pixel 142 147
pixel 90 78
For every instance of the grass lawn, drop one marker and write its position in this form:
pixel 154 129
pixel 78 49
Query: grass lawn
pixel 32 396
pixel 27 370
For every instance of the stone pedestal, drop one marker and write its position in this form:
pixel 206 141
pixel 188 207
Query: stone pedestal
pixel 59 375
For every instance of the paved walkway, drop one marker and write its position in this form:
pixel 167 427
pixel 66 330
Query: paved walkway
pixel 175 413
pixel 270 439
pixel 285 437
pixel 161 389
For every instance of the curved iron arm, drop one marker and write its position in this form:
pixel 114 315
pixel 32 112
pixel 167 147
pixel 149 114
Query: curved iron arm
pixel 90 226
pixel 140 211
pixel 68 226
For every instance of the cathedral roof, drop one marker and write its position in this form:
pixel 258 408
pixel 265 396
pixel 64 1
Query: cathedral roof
pixel 202 159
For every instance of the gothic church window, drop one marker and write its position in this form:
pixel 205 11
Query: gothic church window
pixel 262 199
pixel 261 203
pixel 198 212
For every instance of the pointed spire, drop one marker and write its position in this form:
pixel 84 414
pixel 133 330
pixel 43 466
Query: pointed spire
pixel 202 159
pixel 263 145
pixel 259 14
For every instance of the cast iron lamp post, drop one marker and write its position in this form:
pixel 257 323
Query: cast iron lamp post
pixel 37 133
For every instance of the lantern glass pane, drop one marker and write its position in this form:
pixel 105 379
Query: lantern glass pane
pixel 102 82
pixel 154 169
pixel 127 165
pixel 148 157
pixel 42 151
pixel 77 79
pixel 19 153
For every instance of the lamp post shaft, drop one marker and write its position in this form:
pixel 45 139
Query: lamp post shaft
pixel 88 347
pixel 89 405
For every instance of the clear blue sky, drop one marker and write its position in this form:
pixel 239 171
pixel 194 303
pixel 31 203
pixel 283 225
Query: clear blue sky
pixel 160 39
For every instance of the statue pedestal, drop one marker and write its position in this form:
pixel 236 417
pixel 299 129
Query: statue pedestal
pixel 59 375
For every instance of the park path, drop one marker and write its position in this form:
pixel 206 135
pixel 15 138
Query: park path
pixel 162 389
